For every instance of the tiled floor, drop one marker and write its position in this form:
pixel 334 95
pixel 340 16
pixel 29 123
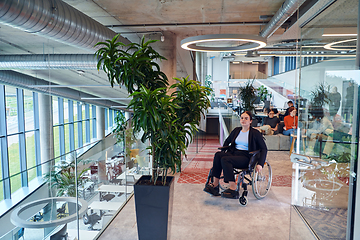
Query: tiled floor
pixel 197 215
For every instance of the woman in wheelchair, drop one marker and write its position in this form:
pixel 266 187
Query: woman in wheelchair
pixel 236 154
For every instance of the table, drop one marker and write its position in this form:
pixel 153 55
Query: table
pixel 124 176
pixel 87 186
pixel 113 206
pixel 113 188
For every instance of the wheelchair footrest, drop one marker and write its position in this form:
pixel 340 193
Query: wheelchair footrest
pixel 244 194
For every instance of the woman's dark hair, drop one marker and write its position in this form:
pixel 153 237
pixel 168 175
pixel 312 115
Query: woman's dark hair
pixel 250 114
pixel 291 109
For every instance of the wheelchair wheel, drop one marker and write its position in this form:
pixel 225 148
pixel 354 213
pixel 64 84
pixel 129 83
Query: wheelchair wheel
pixel 261 181
pixel 243 201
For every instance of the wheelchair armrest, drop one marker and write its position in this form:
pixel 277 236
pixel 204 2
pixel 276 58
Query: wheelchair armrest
pixel 253 159
pixel 224 148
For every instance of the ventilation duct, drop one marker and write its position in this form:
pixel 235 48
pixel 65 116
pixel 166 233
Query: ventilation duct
pixel 287 10
pixel 20 80
pixel 51 61
pixel 252 54
pixel 56 20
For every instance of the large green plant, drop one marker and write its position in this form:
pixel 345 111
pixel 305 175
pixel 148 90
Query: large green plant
pixel 62 179
pixel 168 120
pixel 263 93
pixel 247 95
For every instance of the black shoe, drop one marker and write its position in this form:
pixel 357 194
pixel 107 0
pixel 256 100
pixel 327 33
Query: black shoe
pixel 228 193
pixel 209 188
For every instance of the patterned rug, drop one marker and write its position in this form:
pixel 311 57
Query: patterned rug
pixel 327 224
pixel 197 170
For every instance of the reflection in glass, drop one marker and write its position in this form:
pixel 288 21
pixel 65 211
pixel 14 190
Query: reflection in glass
pixel 11 110
pixel 30 154
pixel 55 107
pixel 29 110
pixel 56 141
pixel 327 105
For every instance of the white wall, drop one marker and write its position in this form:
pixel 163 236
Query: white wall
pixel 219 71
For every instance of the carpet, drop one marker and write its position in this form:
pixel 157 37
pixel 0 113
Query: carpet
pixel 327 224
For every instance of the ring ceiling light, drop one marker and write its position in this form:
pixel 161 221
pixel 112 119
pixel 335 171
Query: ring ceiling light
pixel 223 43
pixel 331 46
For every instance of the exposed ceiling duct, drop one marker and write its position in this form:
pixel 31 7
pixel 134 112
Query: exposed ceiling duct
pixel 49 61
pixel 287 10
pixel 24 81
pixel 55 20
pixel 252 54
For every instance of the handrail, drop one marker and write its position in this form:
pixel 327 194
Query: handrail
pixel 224 133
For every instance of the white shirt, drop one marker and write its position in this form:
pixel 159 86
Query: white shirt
pixel 242 141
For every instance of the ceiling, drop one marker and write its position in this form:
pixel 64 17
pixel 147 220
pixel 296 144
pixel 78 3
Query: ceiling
pixel 154 18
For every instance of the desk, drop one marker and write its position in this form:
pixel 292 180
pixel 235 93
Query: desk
pixel 123 176
pixel 113 206
pixel 113 188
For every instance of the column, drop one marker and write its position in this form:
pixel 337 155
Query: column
pixel 46 131
pixel 270 66
pixel 100 122
pixel 282 63
pixel 167 48
pixel 100 133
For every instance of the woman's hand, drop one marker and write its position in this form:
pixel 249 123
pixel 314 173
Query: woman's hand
pixel 258 168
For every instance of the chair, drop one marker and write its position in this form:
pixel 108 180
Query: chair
pixel 91 219
pixel 260 181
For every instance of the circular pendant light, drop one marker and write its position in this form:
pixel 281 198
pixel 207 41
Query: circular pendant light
pixel 223 43
pixel 338 47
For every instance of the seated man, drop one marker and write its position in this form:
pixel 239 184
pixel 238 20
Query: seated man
pixel 270 125
pixel 241 141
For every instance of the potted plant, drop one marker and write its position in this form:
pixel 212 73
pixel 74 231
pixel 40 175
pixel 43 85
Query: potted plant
pixel 264 95
pixel 62 179
pixel 247 95
pixel 168 122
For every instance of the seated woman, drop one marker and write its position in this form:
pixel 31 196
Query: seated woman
pixel 291 123
pixel 241 141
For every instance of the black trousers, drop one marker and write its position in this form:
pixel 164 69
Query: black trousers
pixel 227 161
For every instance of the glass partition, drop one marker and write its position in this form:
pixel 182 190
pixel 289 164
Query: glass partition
pixel 105 171
pixel 327 138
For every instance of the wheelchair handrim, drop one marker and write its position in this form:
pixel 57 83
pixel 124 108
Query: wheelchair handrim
pixel 261 192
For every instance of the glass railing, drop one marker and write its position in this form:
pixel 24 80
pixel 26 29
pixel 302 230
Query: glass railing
pixel 228 120
pixel 62 208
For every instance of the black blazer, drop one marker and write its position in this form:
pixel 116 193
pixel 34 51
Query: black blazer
pixel 256 142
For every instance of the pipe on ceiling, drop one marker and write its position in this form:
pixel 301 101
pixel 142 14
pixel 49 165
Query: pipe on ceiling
pixel 56 20
pixel 49 61
pixel 287 10
pixel 21 80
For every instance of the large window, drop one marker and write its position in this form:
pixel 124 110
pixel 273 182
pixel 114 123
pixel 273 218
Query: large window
pixel 74 125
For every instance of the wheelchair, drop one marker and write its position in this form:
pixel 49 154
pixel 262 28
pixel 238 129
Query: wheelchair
pixel 260 181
